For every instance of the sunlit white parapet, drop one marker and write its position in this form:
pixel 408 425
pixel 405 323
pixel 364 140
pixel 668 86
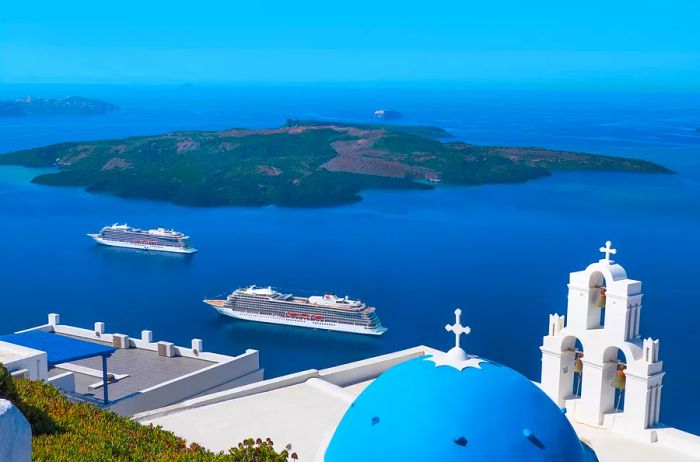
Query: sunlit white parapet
pixel 143 373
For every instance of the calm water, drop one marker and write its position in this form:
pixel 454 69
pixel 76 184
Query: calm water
pixel 501 253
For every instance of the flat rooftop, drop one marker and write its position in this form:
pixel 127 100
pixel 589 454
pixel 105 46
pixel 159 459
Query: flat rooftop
pixel 673 445
pixel 144 368
pixel 305 408
pixel 301 409
pixel 7 355
pixel 304 415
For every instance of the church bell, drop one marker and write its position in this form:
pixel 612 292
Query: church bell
pixel 620 378
pixel 578 364
pixel 601 300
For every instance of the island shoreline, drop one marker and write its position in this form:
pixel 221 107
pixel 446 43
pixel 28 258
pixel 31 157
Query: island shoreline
pixel 303 164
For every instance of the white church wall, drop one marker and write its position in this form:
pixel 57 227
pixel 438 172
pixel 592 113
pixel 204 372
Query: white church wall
pixel 359 371
pixel 603 287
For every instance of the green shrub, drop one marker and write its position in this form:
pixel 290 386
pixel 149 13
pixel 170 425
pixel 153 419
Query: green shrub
pixel 258 451
pixel 7 385
pixel 68 431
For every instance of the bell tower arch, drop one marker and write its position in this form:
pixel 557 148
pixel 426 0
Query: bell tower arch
pixel 621 374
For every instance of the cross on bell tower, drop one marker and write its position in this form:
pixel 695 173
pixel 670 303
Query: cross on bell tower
pixel 608 250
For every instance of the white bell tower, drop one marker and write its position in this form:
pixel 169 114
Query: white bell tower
pixel 586 359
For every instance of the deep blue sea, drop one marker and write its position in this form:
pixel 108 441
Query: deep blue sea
pixel 502 253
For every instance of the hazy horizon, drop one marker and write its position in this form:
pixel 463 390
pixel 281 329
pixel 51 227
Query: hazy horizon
pixel 504 44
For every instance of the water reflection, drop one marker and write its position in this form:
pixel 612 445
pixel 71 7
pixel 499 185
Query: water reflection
pixel 118 256
pixel 293 338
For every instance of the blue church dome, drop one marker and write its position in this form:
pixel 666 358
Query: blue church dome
pixel 454 409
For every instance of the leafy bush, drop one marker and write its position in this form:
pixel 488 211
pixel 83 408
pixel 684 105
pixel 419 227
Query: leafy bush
pixel 7 385
pixel 68 431
pixel 259 451
pixel 38 420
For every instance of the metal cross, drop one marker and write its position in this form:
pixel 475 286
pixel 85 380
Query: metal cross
pixel 607 250
pixel 457 327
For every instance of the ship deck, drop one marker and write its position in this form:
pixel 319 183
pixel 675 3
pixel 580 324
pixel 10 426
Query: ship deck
pixel 304 303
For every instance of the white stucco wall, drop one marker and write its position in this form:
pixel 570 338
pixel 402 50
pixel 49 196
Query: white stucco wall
pixel 15 434
pixel 64 382
pixel 17 357
pixel 370 368
pixel 238 371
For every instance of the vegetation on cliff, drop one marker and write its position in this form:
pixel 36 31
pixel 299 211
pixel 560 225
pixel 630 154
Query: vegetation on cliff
pixel 304 163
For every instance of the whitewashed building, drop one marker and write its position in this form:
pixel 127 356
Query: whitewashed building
pixel 141 373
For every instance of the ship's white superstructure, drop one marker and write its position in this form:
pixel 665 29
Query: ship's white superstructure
pixel 264 304
pixel 158 239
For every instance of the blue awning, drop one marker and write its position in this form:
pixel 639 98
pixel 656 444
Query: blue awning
pixel 59 349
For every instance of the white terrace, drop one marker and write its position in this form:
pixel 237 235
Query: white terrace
pixel 143 374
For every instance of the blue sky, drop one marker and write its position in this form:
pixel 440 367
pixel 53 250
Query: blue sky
pixel 635 44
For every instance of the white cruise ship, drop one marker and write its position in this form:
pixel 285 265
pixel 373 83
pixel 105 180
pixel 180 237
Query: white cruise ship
pixel 159 239
pixel 263 304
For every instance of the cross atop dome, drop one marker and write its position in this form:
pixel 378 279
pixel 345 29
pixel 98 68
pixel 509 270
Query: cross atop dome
pixel 608 250
pixel 457 357
pixel 457 327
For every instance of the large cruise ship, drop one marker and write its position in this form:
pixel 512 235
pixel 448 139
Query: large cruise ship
pixel 263 304
pixel 159 239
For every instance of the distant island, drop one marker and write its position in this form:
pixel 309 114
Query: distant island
pixel 303 163
pixel 387 114
pixel 70 105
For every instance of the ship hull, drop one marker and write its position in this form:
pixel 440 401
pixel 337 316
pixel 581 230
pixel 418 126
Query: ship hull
pixel 131 245
pixel 219 306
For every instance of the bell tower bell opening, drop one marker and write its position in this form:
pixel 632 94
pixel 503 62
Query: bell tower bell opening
pixel 572 355
pixel 597 301
pixel 578 369
pixel 614 367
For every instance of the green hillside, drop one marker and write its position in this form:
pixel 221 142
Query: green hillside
pixel 303 163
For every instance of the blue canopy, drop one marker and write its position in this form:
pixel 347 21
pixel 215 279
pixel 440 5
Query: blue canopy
pixel 59 349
